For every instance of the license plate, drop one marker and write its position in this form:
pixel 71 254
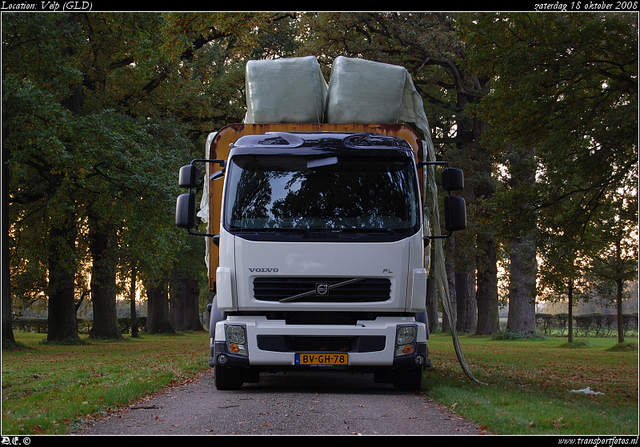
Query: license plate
pixel 322 359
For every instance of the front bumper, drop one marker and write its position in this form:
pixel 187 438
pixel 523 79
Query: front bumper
pixel 272 344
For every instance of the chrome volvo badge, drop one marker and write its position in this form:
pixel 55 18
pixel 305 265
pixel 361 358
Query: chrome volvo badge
pixel 322 289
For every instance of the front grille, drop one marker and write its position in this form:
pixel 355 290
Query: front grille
pixel 363 290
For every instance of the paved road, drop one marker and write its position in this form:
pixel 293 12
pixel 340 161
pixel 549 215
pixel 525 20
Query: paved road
pixel 300 403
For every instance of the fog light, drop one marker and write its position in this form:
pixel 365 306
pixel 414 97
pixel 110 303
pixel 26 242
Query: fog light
pixel 235 348
pixel 222 359
pixel 419 360
pixel 404 350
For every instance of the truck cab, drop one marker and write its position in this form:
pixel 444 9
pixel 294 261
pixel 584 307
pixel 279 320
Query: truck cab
pixel 319 240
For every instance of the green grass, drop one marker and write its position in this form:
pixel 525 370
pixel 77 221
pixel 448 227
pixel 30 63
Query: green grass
pixel 49 388
pixel 53 389
pixel 528 384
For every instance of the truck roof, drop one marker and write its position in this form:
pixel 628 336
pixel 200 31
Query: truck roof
pixel 307 143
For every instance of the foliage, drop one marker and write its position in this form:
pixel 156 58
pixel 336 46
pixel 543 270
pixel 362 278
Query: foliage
pixel 69 158
pixel 564 86
pixel 99 112
pixel 575 90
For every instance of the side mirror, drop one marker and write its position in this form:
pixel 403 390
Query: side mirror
pixel 189 176
pixel 455 207
pixel 186 211
pixel 452 179
pixel 455 213
pixel 186 207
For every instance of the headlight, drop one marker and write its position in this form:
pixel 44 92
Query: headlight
pixel 235 334
pixel 405 335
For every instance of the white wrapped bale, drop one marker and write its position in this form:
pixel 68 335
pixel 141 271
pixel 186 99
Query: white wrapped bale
pixel 290 90
pixel 362 91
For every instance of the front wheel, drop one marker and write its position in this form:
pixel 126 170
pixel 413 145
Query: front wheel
pixel 227 378
pixel 408 379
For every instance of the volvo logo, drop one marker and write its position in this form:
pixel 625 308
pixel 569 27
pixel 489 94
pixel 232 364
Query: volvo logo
pixel 263 270
pixel 322 289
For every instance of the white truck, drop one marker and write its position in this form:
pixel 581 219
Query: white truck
pixel 316 248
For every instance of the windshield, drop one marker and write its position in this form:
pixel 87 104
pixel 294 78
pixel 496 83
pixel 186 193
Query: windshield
pixel 368 194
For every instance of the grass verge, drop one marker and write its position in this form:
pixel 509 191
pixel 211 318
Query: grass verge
pixel 529 384
pixel 50 389
pixel 53 389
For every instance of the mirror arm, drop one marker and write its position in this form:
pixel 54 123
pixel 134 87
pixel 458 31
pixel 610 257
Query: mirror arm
pixel 427 239
pixel 221 163
pixel 214 237
pixel 442 236
pixel 429 163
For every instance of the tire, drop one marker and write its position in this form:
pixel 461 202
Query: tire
pixel 408 379
pixel 228 378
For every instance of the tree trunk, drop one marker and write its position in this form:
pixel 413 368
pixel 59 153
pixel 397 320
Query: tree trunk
pixel 570 312
pixel 619 284
pixel 7 328
pixel 184 300
pixel 178 300
pixel 465 275
pixel 62 322
pixel 132 304
pixel 158 319
pixel 486 259
pixel 466 303
pixel 487 287
pixel 103 281
pixel 522 286
pixel 524 265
